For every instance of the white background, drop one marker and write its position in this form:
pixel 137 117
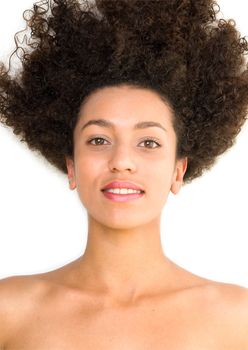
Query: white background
pixel 43 224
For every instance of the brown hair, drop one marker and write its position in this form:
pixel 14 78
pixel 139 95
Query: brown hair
pixel 177 48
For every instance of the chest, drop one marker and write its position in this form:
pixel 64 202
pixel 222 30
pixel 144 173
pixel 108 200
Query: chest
pixel 157 326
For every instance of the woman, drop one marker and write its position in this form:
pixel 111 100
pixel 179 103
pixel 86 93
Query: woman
pixel 131 99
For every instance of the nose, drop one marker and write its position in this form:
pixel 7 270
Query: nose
pixel 121 159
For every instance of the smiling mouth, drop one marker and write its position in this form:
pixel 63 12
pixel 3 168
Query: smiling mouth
pixel 104 190
pixel 125 197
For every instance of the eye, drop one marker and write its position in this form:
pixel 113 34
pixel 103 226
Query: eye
pixel 146 141
pixel 95 138
pixel 150 141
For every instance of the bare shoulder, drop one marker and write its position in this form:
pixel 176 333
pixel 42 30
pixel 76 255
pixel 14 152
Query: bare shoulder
pixel 16 289
pixel 19 296
pixel 228 305
pixel 236 297
pixel 229 296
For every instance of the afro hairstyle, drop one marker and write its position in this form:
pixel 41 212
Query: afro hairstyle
pixel 176 48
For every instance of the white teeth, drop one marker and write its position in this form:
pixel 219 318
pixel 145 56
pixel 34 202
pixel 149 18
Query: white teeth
pixel 122 190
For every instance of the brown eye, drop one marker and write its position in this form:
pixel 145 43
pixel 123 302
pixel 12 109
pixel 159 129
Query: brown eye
pixel 149 142
pixel 97 142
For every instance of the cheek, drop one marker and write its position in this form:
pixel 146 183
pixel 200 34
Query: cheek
pixel 88 167
pixel 158 178
pixel 159 167
pixel 88 177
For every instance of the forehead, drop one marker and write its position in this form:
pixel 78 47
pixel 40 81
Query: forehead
pixel 124 105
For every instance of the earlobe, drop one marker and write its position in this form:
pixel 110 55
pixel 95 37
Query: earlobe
pixel 175 187
pixel 180 170
pixel 70 172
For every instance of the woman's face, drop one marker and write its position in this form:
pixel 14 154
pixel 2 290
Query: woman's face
pixel 145 156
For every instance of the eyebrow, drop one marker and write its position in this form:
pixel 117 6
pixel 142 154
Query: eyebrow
pixel 108 124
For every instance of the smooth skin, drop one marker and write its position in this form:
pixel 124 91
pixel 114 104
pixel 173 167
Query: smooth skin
pixel 123 292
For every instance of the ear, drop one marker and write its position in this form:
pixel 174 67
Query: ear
pixel 180 169
pixel 71 172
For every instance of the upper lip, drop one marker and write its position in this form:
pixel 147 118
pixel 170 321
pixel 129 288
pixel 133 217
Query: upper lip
pixel 123 184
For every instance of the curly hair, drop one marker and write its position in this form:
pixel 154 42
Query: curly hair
pixel 176 48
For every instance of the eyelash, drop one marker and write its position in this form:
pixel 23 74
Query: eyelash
pixel 147 139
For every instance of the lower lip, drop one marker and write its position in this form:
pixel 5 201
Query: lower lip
pixel 122 197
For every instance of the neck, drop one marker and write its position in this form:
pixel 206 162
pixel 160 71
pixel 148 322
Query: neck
pixel 124 264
